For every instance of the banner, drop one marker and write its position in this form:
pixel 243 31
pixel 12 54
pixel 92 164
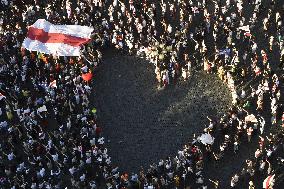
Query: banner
pixel 59 40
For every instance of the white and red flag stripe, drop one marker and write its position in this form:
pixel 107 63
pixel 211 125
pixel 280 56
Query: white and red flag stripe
pixel 2 96
pixel 269 182
pixel 53 84
pixel 60 40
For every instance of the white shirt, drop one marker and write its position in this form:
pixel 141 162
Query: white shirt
pixel 89 160
pixel 101 140
pixel 72 170
pixel 42 172
pixel 269 152
pixel 170 29
pixel 11 156
pixel 4 2
pixel 82 178
pixel 55 157
pixel 33 186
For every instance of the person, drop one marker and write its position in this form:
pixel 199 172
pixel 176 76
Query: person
pixel 251 185
pixel 234 180
pixel 249 133
pixel 236 145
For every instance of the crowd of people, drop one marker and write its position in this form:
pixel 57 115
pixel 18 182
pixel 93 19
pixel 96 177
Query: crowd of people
pixel 50 135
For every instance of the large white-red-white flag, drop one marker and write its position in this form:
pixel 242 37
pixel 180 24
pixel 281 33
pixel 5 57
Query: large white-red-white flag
pixel 60 40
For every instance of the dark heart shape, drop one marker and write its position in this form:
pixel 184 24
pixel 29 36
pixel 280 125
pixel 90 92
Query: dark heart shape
pixel 144 124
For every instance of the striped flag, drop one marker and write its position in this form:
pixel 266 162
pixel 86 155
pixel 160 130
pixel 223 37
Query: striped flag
pixel 60 40
pixel 269 182
pixel 2 96
pixel 53 84
pixel 246 29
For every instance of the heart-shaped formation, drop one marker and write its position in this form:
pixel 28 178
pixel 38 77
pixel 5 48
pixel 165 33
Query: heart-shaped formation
pixel 140 119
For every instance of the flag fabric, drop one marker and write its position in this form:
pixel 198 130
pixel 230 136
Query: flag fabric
pixel 53 84
pixel 268 182
pixel 60 40
pixel 245 28
pixel 2 96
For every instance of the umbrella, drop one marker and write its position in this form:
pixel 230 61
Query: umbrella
pixel 206 139
pixel 87 76
pixel 42 109
pixel 251 118
pixel 268 182
pixel 94 110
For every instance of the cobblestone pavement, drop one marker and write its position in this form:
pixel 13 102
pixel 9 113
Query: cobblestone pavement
pixel 144 124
